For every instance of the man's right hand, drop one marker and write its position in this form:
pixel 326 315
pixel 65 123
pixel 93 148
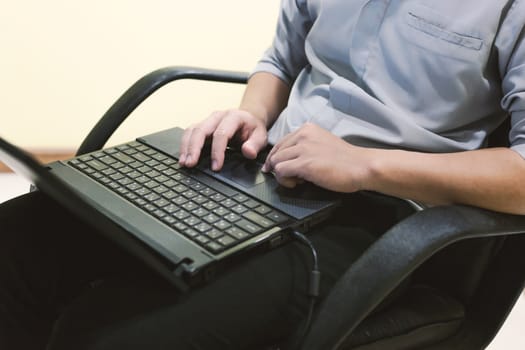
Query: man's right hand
pixel 221 127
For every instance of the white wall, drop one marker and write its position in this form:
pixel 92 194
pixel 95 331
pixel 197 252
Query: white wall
pixel 63 62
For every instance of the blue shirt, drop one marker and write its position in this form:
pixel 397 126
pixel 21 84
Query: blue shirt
pixel 426 75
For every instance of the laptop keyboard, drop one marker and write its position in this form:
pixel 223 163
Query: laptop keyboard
pixel 160 186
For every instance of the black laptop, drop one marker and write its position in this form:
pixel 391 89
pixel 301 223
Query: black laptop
pixel 186 224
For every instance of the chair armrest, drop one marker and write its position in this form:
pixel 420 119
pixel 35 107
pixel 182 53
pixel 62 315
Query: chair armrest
pixel 141 90
pixel 392 258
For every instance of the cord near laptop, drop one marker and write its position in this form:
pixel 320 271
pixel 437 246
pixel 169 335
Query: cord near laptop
pixel 313 288
pixel 315 275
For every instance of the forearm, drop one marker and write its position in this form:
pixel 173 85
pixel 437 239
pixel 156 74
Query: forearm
pixel 265 97
pixel 488 178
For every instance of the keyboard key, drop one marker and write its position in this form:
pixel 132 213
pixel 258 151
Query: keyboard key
pixel 214 247
pixel 201 239
pixel 210 205
pixel 202 227
pixel 251 203
pixel 180 200
pixel 171 208
pixel 151 197
pixel 152 163
pixel 95 164
pixel 237 233
pixel 170 220
pixel 228 203
pixel 218 197
pixel 180 188
pixel 142 179
pixel 190 232
pixel 240 198
pixel 226 241
pixel 214 234
pixel 276 217
pixel 221 211
pixel 258 219
pixel 126 170
pixel 189 206
pixel 169 172
pixel 151 184
pixel 200 212
pixel 159 213
pixel 180 226
pixel 141 157
pixel 160 189
pixel 210 218
pixel 122 157
pixel 192 221
pixel 169 195
pixel 239 209
pixel 181 214
pixel 222 224
pixel 161 203
pixel 207 192
pixel 200 199
pixel 107 160
pixel 232 217
pixel 263 209
pixel 248 226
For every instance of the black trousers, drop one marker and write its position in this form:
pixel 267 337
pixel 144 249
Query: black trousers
pixel 62 286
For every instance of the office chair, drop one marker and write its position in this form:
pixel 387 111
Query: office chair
pixel 466 265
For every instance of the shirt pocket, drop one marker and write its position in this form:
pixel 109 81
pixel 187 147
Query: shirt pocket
pixel 444 34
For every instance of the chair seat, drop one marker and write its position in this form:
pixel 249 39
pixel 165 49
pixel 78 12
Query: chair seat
pixel 420 316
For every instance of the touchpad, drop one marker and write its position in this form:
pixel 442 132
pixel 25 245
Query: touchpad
pixel 244 172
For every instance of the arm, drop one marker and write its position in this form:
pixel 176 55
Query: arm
pixel 488 178
pixel 265 97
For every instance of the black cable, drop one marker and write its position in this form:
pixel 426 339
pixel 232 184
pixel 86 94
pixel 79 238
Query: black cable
pixel 313 290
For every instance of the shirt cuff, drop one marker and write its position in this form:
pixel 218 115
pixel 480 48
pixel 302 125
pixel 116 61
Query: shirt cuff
pixel 272 69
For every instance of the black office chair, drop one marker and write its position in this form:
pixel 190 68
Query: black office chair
pixel 466 265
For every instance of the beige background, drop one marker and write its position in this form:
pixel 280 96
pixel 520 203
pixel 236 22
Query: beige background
pixel 64 62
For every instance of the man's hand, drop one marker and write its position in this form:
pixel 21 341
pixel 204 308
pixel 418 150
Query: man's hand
pixel 222 126
pixel 264 98
pixel 316 155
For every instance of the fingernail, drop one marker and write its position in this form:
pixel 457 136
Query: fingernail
pixel 214 165
pixel 188 159
pixel 182 159
pixel 264 168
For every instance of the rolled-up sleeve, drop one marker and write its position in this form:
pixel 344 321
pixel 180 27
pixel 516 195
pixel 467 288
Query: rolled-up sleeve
pixel 511 51
pixel 286 57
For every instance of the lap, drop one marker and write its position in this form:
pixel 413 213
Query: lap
pixel 258 301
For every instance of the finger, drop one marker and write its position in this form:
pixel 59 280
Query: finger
pixel 285 149
pixel 194 139
pixel 221 136
pixel 288 182
pixel 183 147
pixel 287 141
pixel 286 173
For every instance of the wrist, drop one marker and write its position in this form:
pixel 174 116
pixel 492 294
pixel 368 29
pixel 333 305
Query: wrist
pixel 374 170
pixel 258 112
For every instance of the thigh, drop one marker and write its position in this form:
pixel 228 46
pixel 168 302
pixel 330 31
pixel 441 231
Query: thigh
pixel 46 258
pixel 256 303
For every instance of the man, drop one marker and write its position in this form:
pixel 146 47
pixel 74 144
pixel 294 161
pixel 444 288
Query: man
pixel 391 96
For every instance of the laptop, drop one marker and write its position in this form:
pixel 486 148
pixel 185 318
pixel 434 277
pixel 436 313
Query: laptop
pixel 186 224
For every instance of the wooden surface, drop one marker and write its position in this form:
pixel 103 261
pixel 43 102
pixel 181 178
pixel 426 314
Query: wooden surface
pixel 43 157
